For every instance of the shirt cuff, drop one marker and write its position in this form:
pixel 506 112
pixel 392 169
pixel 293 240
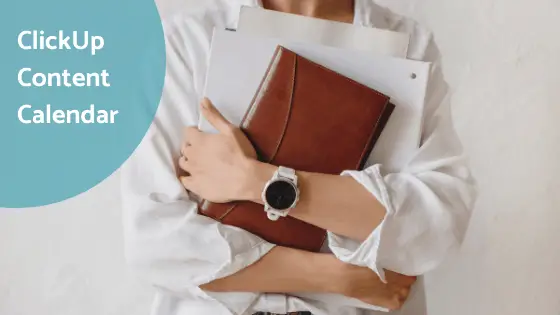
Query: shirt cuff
pixel 240 261
pixel 236 302
pixel 365 254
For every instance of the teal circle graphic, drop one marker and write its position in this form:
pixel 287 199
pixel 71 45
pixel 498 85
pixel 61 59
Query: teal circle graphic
pixel 80 83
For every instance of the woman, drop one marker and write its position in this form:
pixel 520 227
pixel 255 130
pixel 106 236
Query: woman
pixel 405 221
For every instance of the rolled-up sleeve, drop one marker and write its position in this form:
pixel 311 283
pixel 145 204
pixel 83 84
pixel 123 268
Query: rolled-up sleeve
pixel 166 241
pixel 428 202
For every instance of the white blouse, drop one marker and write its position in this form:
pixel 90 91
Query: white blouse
pixel 428 202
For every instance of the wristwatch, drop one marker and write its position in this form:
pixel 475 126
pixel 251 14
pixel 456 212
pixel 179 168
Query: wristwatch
pixel 281 193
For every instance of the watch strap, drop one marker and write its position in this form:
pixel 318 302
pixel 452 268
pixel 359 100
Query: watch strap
pixel 287 172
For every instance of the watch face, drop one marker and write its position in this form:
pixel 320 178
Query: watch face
pixel 280 195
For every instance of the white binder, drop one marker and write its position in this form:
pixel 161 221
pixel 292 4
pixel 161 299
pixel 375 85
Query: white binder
pixel 268 23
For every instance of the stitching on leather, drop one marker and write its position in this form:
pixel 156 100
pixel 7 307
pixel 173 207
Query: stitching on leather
pixel 288 115
pixel 387 101
pixel 228 211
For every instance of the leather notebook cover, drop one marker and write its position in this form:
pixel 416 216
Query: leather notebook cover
pixel 309 118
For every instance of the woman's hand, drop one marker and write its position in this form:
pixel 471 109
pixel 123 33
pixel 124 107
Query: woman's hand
pixel 220 167
pixel 363 284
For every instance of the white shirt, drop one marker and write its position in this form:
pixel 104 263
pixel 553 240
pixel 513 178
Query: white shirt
pixel 428 202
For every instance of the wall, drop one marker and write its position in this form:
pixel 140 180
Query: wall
pixel 501 60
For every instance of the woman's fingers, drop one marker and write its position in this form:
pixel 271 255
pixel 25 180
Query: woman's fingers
pixel 397 278
pixel 184 164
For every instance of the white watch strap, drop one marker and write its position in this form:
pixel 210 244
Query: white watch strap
pixel 287 172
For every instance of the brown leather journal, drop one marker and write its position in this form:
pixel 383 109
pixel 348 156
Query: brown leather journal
pixel 309 118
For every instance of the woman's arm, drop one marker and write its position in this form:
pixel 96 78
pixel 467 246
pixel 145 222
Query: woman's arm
pixel 223 167
pixel 282 270
pixel 285 270
pixel 168 244
pixel 336 203
pixel 405 221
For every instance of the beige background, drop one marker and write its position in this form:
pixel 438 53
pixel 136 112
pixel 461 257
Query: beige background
pixel 501 58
